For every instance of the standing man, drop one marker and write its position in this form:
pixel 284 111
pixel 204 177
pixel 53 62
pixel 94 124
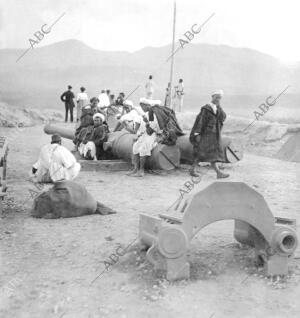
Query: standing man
pixel 82 100
pixel 206 136
pixel 120 99
pixel 67 97
pixel 168 96
pixel 179 93
pixel 149 88
pixel 103 99
pixel 146 131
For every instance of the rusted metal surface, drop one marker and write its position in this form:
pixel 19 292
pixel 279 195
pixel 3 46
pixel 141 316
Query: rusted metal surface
pixel 233 152
pixel 162 157
pixel 168 239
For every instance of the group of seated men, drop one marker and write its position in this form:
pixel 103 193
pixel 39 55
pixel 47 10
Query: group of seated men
pixel 142 121
pixel 151 123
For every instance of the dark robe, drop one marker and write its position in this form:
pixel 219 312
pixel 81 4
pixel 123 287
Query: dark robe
pixel 167 122
pixel 86 120
pixel 166 119
pixel 96 134
pixel 207 145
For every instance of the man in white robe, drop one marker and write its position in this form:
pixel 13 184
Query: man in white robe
pixel 149 87
pixel 55 163
pixel 103 99
pixel 82 100
pixel 179 95
pixel 146 139
pixel 129 118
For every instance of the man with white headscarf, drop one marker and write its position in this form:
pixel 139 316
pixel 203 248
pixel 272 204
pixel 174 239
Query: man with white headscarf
pixel 206 135
pixel 146 138
pixel 90 139
pixel 129 118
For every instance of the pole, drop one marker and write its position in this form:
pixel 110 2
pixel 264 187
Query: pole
pixel 172 57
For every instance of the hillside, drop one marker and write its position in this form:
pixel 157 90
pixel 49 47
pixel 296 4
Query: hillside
pixel 39 78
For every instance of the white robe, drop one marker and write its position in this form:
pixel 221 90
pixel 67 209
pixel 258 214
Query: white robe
pixel 56 163
pixel 145 143
pixel 132 118
pixel 84 148
pixel 103 100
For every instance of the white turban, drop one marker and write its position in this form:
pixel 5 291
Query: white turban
pixel 155 102
pixel 99 115
pixel 144 100
pixel 218 92
pixel 128 102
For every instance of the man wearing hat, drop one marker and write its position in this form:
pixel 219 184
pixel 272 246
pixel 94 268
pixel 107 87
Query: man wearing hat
pixel 55 163
pixel 206 135
pixel 67 97
pixel 82 101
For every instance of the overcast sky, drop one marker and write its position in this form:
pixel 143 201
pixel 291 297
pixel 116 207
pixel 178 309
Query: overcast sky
pixel 268 26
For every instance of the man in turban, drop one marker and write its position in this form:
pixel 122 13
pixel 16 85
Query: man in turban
pixel 206 135
pixel 146 138
pixel 90 139
pixel 129 118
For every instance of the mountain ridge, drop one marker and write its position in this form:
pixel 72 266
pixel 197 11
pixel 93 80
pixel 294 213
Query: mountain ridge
pixel 38 78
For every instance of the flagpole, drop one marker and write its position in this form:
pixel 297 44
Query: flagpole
pixel 172 57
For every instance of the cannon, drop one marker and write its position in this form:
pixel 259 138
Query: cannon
pixel 233 152
pixel 120 143
pixel 62 131
pixel 167 238
pixel 162 157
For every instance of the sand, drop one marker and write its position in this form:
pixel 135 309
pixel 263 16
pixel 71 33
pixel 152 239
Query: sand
pixel 47 266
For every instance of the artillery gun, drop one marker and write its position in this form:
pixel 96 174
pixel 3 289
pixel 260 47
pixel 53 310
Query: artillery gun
pixel 168 237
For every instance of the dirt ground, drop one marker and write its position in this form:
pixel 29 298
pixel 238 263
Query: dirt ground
pixel 47 266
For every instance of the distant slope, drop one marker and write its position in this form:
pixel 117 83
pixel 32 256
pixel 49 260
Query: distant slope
pixel 39 78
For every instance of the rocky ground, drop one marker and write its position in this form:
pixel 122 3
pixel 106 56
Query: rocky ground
pixel 48 267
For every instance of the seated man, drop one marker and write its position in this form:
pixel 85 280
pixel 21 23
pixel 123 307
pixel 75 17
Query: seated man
pixel 90 139
pixel 129 118
pixel 55 163
pixel 120 99
pixel 146 139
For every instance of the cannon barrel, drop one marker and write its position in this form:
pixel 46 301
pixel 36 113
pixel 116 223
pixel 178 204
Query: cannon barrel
pixel 62 131
pixel 233 153
pixel 120 144
pixel 162 157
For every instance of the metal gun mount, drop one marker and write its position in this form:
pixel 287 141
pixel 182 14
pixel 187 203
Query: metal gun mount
pixel 167 238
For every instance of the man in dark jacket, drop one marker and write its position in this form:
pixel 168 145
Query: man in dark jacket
pixel 67 97
pixel 90 139
pixel 206 136
pixel 120 99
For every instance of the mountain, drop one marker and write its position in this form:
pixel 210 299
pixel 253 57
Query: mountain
pixel 42 74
